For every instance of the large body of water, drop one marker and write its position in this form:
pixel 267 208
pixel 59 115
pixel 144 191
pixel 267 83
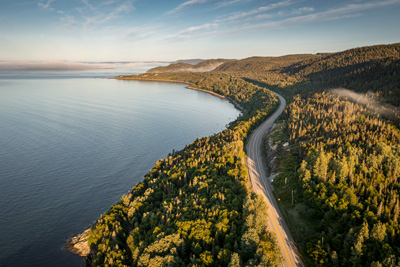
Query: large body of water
pixel 70 147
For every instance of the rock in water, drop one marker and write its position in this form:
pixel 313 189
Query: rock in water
pixel 79 244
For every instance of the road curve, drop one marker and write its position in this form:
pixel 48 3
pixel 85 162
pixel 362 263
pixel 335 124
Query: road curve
pixel 260 184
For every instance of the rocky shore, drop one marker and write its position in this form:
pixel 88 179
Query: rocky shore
pixel 79 244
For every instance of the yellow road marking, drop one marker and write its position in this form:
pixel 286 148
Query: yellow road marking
pixel 280 237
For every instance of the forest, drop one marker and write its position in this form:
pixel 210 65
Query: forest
pixel 205 65
pixel 196 207
pixel 348 163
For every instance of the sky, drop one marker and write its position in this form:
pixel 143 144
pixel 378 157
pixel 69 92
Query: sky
pixel 166 30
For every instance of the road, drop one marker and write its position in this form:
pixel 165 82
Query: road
pixel 258 178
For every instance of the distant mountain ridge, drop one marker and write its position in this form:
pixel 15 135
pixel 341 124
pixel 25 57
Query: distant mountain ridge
pixel 193 61
pixel 184 66
pixel 260 64
pixel 363 69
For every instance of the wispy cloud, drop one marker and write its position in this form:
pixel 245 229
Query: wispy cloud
pixel 187 33
pixel 130 33
pixel 102 17
pixel 229 3
pixel 235 17
pixel 87 5
pixel 109 2
pixel 242 15
pixel 346 11
pixel 188 4
pixel 69 21
pixel 46 5
pixel 88 14
pixel 274 20
pixel 284 13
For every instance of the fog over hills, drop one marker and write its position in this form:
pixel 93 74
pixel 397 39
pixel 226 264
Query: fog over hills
pixel 70 66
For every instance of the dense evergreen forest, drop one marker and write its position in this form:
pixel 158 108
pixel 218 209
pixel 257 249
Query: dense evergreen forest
pixel 348 179
pixel 196 208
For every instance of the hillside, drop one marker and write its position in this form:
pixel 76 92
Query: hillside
pixel 339 182
pixel 263 64
pixel 202 66
pixel 355 57
pixel 193 61
pixel 346 183
pixel 373 68
pixel 364 69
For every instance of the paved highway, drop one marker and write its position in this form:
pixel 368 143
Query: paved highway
pixel 260 184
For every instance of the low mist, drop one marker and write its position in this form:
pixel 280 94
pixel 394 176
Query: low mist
pixel 206 68
pixel 368 100
pixel 60 66
pixel 51 66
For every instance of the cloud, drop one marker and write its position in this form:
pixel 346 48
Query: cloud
pixel 194 68
pixel 140 65
pixel 130 33
pixel 69 22
pixel 270 21
pixel 124 8
pixel 241 15
pixel 187 33
pixel 346 11
pixel 228 3
pixel 87 5
pixel 140 32
pixel 284 13
pixel 46 5
pixel 109 2
pixel 92 15
pixel 188 4
pixel 102 17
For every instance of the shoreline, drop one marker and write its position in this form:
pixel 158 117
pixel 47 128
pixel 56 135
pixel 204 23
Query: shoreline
pixel 78 243
pixel 189 86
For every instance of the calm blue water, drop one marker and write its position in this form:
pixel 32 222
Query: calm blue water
pixel 69 148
